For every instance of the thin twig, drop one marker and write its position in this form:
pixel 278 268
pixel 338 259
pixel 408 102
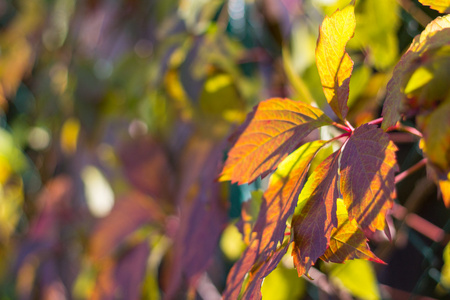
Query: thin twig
pixel 411 170
pixel 343 127
pixel 421 17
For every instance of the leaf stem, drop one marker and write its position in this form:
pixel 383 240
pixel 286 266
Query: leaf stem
pixel 340 136
pixel 349 125
pixel 376 121
pixel 411 170
pixel 409 129
pixel 343 127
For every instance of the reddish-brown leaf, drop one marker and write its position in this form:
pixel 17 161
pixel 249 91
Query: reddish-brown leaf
pixel 202 214
pixel 431 38
pixel 347 240
pixel 368 166
pixel 272 131
pixel 146 166
pixel 313 226
pixel 128 214
pixel 257 275
pixel 333 63
pixel 278 204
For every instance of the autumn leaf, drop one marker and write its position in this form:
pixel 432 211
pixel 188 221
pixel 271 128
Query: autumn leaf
pixel 256 276
pixel 442 6
pixel 435 35
pixel 347 240
pixel 444 186
pixel 313 226
pixel 333 63
pixel 278 204
pixel 128 214
pixel 436 135
pixel 274 129
pixel 368 165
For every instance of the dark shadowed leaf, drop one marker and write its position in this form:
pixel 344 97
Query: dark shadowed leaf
pixel 128 214
pixel 203 215
pixel 368 166
pixel 271 132
pixel 313 226
pixel 147 167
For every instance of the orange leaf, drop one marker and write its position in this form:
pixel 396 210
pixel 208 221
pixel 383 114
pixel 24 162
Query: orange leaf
pixel 274 129
pixel 313 226
pixel 347 240
pixel 278 204
pixel 442 6
pixel 333 63
pixel 368 166
pixel 435 35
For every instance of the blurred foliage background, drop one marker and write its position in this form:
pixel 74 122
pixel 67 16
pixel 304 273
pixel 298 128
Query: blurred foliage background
pixel 113 124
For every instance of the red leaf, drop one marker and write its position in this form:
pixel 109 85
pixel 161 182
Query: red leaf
pixel 273 130
pixel 368 166
pixel 278 204
pixel 313 226
pixel 333 63
pixel 347 240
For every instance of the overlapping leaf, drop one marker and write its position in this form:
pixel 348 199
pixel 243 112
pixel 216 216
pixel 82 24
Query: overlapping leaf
pixel 274 130
pixel 256 276
pixel 442 6
pixel 333 63
pixel 278 204
pixel 313 226
pixel 367 168
pixel 347 240
pixel 435 35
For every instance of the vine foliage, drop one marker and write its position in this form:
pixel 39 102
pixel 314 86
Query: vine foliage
pixel 337 205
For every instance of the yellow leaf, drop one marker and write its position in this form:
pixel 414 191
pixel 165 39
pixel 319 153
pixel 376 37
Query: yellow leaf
pixel 442 6
pixel 334 64
pixel 69 135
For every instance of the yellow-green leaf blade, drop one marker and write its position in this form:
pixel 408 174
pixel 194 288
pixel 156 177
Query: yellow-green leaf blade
pixel 442 6
pixel 347 240
pixel 334 64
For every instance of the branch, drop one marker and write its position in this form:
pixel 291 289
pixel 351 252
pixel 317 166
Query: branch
pixel 411 170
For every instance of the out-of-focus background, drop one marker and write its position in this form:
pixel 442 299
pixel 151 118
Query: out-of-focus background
pixel 113 124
